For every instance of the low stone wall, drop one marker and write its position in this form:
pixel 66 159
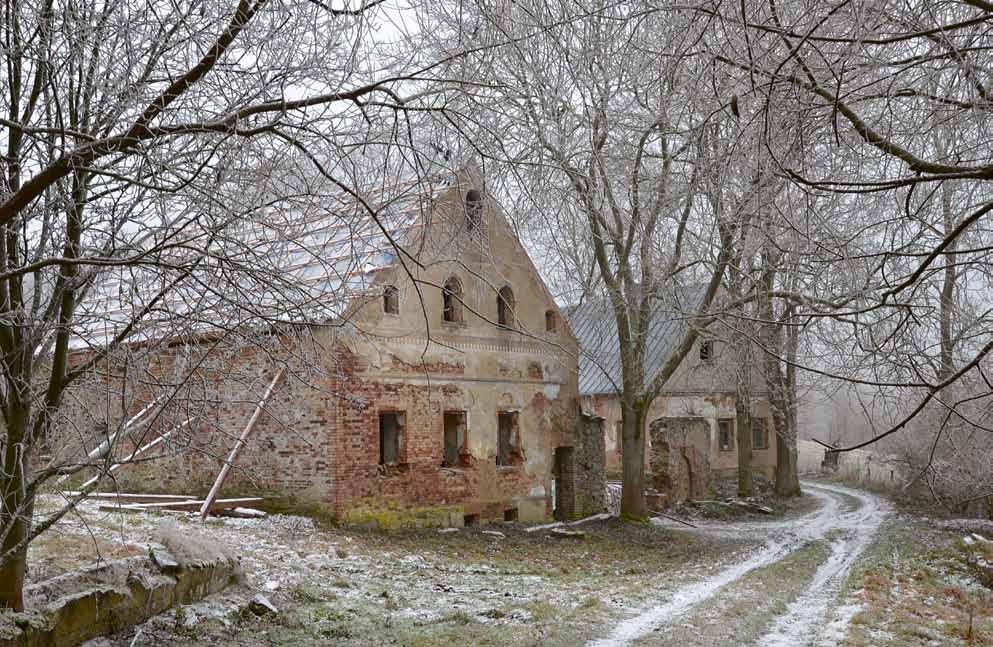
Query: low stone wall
pixel 107 598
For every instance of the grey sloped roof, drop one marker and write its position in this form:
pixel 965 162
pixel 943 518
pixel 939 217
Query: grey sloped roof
pixel 595 328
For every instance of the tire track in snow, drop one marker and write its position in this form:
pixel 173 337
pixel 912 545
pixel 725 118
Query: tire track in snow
pixel 787 538
pixel 806 619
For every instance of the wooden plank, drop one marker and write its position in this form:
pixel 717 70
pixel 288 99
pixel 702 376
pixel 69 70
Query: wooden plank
pixel 138 452
pixel 105 446
pixel 123 497
pixel 186 506
pixel 216 488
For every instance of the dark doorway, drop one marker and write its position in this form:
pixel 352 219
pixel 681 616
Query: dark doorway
pixel 565 483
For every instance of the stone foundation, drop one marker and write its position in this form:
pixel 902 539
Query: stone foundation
pixel 107 598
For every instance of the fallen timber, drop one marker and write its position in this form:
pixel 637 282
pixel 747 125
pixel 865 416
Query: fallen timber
pixel 128 498
pixel 192 505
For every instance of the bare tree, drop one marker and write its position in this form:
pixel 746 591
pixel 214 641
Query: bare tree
pixel 596 113
pixel 161 163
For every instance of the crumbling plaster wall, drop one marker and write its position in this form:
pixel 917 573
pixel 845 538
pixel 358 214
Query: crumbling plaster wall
pixel 710 406
pixel 416 362
pixel 317 440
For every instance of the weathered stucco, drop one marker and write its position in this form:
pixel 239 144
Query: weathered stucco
pixel 317 442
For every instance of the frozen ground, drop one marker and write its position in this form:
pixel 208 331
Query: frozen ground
pixel 847 519
pixel 794 579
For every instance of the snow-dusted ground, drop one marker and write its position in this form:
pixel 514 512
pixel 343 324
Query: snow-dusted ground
pixel 625 583
pixel 847 518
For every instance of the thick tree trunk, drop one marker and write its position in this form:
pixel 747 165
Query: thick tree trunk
pixel 15 514
pixel 743 423
pixel 787 481
pixel 633 462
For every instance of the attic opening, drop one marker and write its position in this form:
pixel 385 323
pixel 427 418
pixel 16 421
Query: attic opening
pixel 391 300
pixel 451 296
pixel 473 209
pixel 551 321
pixel 505 307
pixel 706 350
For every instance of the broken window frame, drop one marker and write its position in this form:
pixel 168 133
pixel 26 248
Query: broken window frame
pixel 400 428
pixel 760 431
pixel 391 300
pixel 509 452
pixel 551 321
pixel 727 423
pixel 460 456
pixel 506 304
pixel 451 301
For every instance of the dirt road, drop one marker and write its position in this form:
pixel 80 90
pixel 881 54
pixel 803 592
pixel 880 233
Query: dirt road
pixel 835 534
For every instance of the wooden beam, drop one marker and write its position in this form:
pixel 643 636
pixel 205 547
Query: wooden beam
pixel 186 506
pixel 205 510
pixel 123 497
pixel 138 452
pixel 104 446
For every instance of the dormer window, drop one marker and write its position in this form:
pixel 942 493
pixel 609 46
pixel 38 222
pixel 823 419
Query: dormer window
pixel 551 321
pixel 391 300
pixel 505 307
pixel 473 209
pixel 451 296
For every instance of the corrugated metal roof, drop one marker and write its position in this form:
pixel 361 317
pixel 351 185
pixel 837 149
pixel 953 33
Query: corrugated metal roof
pixel 595 327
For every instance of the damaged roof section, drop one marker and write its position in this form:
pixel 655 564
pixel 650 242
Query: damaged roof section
pixel 300 260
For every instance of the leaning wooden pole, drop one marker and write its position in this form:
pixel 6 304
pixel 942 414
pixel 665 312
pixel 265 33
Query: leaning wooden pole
pixel 105 446
pixel 135 454
pixel 215 490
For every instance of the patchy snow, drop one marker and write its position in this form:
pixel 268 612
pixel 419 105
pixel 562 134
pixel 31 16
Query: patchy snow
pixel 795 627
pixel 804 620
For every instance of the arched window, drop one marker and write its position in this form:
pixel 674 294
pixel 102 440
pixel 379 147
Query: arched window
pixel 391 300
pixel 505 307
pixel 551 321
pixel 473 209
pixel 451 295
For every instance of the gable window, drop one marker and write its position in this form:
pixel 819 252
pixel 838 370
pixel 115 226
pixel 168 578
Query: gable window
pixel 725 434
pixel 551 321
pixel 473 209
pixel 451 295
pixel 706 350
pixel 760 433
pixel 508 439
pixel 505 307
pixel 391 427
pixel 391 300
pixel 456 448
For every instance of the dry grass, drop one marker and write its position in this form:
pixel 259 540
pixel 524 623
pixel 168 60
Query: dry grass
pixel 921 594
pixel 55 553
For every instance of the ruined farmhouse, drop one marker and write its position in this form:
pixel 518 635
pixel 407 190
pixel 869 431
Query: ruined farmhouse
pixel 443 392
pixel 690 427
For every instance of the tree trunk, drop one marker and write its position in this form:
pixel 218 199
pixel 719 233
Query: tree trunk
pixel 633 462
pixel 15 514
pixel 787 480
pixel 743 424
